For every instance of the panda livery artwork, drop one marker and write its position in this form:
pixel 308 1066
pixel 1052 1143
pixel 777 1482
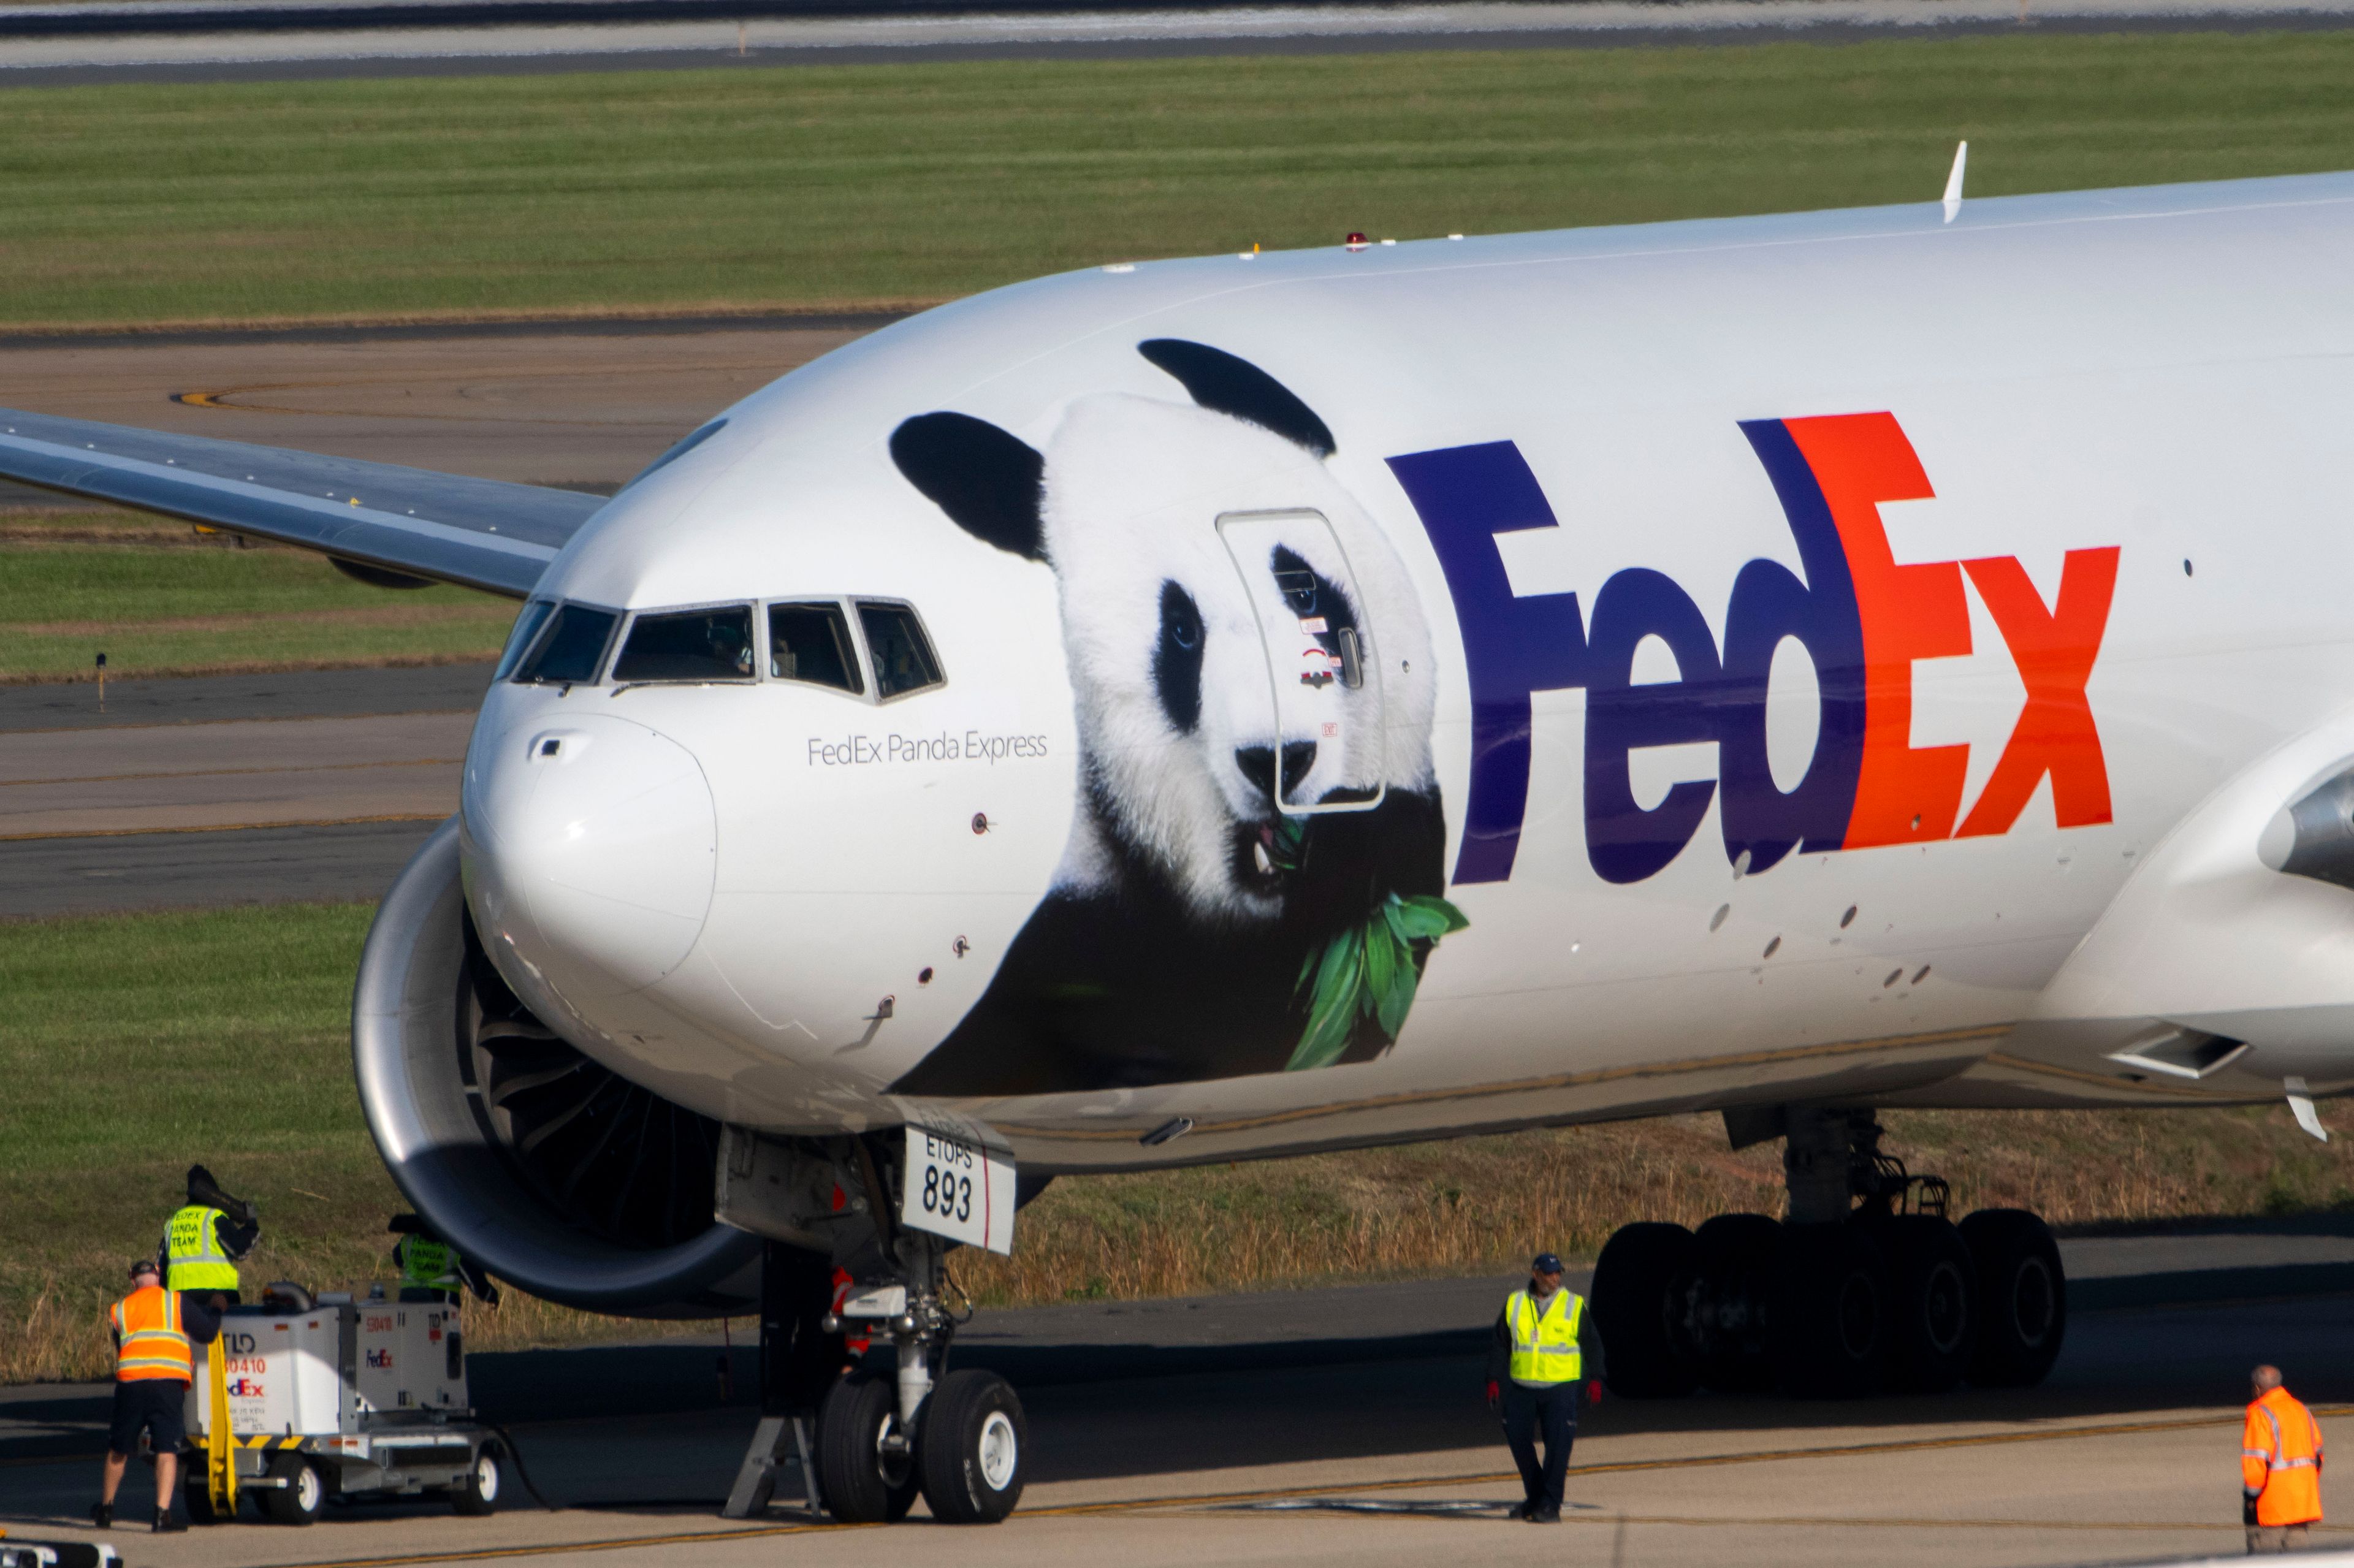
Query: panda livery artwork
pixel 1230 707
pixel 1254 693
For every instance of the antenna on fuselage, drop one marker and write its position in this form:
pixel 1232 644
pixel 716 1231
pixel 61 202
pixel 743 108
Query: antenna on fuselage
pixel 1953 182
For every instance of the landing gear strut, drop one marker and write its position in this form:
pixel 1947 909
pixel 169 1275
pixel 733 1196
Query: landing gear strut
pixel 1866 1286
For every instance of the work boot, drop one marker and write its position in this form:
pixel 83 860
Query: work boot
pixel 102 1516
pixel 1545 1516
pixel 168 1523
pixel 1525 1512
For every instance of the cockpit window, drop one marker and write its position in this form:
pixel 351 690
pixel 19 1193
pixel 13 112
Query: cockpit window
pixel 812 643
pixel 688 645
pixel 903 657
pixel 527 627
pixel 571 648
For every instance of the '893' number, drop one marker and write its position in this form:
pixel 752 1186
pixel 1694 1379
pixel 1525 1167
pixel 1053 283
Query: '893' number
pixel 946 1194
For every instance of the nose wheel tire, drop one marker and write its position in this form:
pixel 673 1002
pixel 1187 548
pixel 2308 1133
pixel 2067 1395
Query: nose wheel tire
pixel 866 1475
pixel 969 1457
pixel 2022 1298
pixel 478 1494
pixel 299 1500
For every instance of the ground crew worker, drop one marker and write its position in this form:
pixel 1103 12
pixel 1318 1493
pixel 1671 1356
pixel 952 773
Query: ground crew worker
pixel 1534 1368
pixel 204 1242
pixel 153 1366
pixel 432 1269
pixel 2280 1467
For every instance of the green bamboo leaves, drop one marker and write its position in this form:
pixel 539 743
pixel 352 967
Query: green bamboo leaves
pixel 1368 973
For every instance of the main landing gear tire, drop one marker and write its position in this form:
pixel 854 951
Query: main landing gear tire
pixel 1906 1303
pixel 863 1482
pixel 968 1458
pixel 1736 1256
pixel 1933 1291
pixel 2022 1296
pixel 1635 1300
pixel 1828 1321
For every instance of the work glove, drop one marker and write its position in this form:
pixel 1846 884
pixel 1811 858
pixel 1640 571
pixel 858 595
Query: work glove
pixel 1495 1395
pixel 1593 1391
pixel 2248 1509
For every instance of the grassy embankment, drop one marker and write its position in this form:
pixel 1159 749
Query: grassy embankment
pixel 134 1044
pixel 861 186
pixel 871 186
pixel 157 597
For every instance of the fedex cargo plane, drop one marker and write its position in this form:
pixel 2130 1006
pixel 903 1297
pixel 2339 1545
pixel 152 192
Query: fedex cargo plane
pixel 1222 708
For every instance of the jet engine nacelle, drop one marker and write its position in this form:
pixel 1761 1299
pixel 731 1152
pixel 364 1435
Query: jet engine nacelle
pixel 546 1168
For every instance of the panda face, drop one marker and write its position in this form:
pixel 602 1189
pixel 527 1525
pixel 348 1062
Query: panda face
pixel 1208 568
pixel 1181 634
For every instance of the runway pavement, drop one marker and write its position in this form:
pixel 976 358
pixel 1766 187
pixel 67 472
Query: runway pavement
pixel 273 40
pixel 1346 1426
pixel 321 784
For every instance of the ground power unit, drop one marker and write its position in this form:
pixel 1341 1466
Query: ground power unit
pixel 333 1399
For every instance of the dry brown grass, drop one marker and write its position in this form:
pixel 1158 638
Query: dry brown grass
pixel 1490 1202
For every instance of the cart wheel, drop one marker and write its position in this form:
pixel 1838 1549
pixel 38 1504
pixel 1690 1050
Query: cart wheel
pixel 301 1499
pixel 478 1494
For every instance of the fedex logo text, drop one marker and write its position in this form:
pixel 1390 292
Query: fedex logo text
pixel 1862 616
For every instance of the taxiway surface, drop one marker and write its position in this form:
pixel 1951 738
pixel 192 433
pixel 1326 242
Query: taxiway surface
pixel 309 785
pixel 1346 1426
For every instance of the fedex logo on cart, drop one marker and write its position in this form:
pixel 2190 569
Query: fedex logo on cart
pixel 1862 616
pixel 381 1360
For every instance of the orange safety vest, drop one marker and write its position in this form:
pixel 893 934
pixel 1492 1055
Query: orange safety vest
pixel 2280 1460
pixel 150 1342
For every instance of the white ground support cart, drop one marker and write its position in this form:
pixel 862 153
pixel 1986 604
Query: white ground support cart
pixel 336 1398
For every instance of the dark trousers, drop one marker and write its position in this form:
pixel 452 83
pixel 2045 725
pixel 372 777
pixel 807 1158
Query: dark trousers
pixel 1549 1414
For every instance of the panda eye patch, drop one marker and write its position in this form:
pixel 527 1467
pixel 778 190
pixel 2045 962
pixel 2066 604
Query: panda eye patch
pixel 1298 590
pixel 1177 658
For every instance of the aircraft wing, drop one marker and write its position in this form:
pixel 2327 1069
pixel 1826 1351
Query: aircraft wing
pixel 481 533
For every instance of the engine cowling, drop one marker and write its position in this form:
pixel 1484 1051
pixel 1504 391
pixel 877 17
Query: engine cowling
pixel 552 1171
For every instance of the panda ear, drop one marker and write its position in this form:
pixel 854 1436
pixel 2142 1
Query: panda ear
pixel 1218 380
pixel 984 478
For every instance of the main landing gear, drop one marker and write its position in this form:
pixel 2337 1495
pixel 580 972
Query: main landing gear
pixel 1865 1287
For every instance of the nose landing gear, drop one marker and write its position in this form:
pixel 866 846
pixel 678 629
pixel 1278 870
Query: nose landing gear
pixel 1865 1287
pixel 866 1440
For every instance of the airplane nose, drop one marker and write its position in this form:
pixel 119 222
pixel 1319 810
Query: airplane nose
pixel 593 847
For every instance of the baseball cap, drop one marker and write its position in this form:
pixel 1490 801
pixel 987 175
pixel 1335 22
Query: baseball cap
pixel 144 1265
pixel 1545 1262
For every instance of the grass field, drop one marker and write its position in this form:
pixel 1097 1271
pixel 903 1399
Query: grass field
pixel 870 184
pixel 157 601
pixel 134 1044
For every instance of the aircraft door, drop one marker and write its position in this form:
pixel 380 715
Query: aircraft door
pixel 1324 676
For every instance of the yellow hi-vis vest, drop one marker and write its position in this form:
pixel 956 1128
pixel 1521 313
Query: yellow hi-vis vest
pixel 430 1264
pixel 193 1252
pixel 1545 1343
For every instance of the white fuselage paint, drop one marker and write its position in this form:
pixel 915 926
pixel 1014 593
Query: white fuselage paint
pixel 719 905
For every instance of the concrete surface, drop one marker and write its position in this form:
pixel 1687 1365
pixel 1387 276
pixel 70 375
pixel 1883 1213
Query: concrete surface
pixel 578 409
pixel 1307 1428
pixel 501 39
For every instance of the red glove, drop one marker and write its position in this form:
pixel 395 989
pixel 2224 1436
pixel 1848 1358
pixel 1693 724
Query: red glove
pixel 1495 1393
pixel 1593 1391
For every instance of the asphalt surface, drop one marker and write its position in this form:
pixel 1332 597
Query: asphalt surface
pixel 320 785
pixel 1346 1426
pixel 274 41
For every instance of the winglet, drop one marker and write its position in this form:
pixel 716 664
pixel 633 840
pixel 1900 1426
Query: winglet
pixel 2300 1105
pixel 1953 182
